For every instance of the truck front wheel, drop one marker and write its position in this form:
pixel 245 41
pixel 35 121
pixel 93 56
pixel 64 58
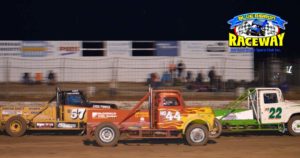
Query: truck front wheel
pixel 107 134
pixel 294 126
pixel 15 126
pixel 196 134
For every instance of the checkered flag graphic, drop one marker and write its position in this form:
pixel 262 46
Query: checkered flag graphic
pixel 242 29
pixel 269 30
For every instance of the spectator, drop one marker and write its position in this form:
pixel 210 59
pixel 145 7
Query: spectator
pixel 180 68
pixel 199 78
pixel 189 76
pixel 51 78
pixel 166 78
pixel 26 79
pixel 172 68
pixel 38 78
pixel 212 77
pixel 154 80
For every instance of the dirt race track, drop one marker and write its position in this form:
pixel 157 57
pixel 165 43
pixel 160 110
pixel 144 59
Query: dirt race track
pixel 268 145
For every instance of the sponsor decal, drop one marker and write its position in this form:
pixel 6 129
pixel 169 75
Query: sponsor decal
pixel 256 30
pixel 10 48
pixel 141 114
pixel 66 125
pixel 11 112
pixel 101 106
pixel 69 48
pixel 34 49
pixel 118 48
pixel 104 115
pixel 44 125
pixel 166 48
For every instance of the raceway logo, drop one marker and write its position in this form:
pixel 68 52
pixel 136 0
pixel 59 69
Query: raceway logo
pixel 256 30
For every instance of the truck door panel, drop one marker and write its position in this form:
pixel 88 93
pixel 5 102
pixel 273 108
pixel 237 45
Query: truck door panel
pixel 169 112
pixel 271 107
pixel 74 113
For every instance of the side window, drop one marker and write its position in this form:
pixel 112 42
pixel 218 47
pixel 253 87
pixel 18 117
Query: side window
pixel 270 98
pixel 170 101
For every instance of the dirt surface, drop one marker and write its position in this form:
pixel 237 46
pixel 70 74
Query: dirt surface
pixel 231 145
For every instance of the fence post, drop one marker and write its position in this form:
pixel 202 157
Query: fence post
pixel 62 71
pixel 7 70
pixel 116 69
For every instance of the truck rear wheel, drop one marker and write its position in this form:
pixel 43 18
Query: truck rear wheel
pixel 218 127
pixel 196 134
pixel 16 126
pixel 107 134
pixel 294 126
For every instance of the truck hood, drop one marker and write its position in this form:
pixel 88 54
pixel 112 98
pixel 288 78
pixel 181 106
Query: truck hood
pixel 291 104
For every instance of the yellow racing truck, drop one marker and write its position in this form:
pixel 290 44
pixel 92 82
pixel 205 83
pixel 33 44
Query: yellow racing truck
pixel 68 113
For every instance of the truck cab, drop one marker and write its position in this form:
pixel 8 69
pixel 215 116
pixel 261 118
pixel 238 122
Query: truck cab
pixel 271 108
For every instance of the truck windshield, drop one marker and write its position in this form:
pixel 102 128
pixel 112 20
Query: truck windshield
pixel 74 99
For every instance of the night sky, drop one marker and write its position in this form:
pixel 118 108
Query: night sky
pixel 138 20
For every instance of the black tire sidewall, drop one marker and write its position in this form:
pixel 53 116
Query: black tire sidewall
pixel 115 140
pixel 290 130
pixel 23 124
pixel 188 132
pixel 219 126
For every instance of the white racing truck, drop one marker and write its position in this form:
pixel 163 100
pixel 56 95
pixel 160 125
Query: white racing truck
pixel 266 110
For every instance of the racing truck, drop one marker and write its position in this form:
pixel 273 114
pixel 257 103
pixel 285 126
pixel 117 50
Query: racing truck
pixel 166 116
pixel 69 113
pixel 266 110
pixel 257 28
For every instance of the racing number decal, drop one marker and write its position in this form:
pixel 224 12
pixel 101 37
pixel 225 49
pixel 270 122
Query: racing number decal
pixel 169 116
pixel 275 113
pixel 77 113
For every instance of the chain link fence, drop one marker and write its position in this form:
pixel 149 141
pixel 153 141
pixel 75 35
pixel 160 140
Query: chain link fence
pixel 119 78
pixel 136 69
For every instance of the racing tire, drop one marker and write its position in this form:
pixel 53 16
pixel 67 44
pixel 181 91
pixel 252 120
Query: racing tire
pixel 16 126
pixel 218 125
pixel 196 135
pixel 294 126
pixel 107 134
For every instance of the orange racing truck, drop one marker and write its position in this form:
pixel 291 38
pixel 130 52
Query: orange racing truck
pixel 166 117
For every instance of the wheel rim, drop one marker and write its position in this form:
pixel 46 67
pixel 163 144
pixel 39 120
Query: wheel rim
pixel 15 126
pixel 106 134
pixel 197 135
pixel 296 126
